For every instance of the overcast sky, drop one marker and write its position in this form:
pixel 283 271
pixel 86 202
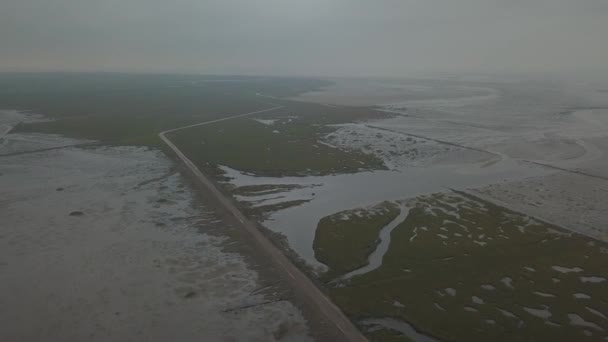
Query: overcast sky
pixel 304 37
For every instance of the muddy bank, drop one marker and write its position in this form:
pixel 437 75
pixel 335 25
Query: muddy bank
pixel 574 201
pixel 110 244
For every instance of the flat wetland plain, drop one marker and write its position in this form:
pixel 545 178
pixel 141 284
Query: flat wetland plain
pixel 428 210
pixel 283 142
pixel 460 268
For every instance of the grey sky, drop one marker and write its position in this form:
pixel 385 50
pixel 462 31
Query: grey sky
pixel 304 37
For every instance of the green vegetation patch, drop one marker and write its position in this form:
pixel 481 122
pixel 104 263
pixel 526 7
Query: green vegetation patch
pixel 344 241
pixel 124 109
pixel 131 109
pixel 132 130
pixel 285 149
pixel 460 268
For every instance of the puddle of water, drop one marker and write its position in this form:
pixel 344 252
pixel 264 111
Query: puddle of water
pixel 567 270
pixel 578 320
pixel 399 326
pixel 398 304
pixel 540 313
pixel 593 279
pixel 508 282
pixel 595 312
pixel 477 300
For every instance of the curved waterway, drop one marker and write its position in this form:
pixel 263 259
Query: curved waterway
pixel 327 195
pixel 375 259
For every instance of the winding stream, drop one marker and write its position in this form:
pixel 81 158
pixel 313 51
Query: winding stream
pixel 375 259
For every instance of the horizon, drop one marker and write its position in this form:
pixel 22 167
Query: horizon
pixel 305 39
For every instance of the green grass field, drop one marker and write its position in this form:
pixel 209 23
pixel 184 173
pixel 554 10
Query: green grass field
pixel 123 109
pixel 130 109
pixel 343 241
pixel 459 268
pixel 270 150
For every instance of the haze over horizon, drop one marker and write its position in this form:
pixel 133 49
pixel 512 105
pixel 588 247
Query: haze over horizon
pixel 313 38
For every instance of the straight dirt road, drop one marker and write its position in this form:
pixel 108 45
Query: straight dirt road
pixel 303 287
